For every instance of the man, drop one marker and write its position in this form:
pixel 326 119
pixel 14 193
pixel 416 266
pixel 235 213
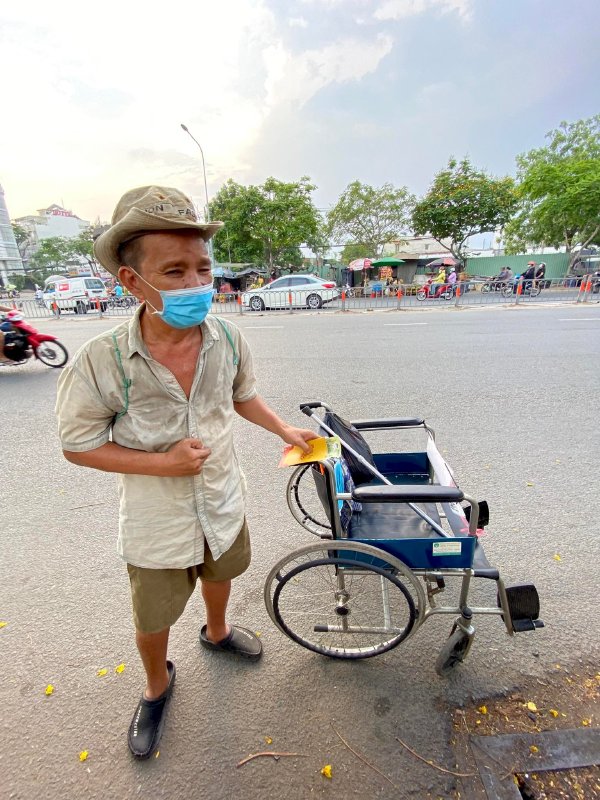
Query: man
pixel 5 327
pixel 530 271
pixel 153 400
pixel 528 275
pixel 540 271
pixel 503 277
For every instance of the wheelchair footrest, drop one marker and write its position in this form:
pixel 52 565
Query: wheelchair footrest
pixel 524 606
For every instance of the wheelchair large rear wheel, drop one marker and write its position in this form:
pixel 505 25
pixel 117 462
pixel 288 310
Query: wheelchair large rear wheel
pixel 344 599
pixel 303 501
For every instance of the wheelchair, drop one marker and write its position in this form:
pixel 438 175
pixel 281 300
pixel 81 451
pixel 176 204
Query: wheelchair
pixel 387 550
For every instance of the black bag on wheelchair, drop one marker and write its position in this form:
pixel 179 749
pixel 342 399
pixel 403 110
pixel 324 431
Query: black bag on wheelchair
pixel 349 434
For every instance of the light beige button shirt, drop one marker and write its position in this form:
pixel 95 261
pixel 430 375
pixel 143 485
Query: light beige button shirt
pixel 163 521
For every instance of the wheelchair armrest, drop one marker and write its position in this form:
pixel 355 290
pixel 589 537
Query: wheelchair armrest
pixel 425 493
pixel 392 422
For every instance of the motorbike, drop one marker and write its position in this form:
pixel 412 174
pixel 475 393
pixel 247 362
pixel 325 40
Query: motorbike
pixel 529 286
pixel 494 285
pixel 22 341
pixel 436 290
pixel 125 301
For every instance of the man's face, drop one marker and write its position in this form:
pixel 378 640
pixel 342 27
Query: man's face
pixel 167 260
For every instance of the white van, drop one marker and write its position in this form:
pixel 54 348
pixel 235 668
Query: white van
pixel 75 294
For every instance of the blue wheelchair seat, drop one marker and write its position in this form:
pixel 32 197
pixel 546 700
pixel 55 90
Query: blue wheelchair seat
pixel 399 521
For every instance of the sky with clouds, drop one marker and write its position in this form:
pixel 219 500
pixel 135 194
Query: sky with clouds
pixel 375 90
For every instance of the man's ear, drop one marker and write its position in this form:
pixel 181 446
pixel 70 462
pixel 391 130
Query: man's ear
pixel 131 281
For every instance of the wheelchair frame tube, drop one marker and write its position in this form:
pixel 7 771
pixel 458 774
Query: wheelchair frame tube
pixel 375 472
pixel 503 610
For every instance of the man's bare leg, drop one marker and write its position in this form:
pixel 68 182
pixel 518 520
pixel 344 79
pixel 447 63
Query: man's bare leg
pixel 216 596
pixel 153 651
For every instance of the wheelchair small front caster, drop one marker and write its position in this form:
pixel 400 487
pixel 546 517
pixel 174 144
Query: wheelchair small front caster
pixel 457 645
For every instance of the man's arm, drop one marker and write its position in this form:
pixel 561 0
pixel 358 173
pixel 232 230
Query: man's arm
pixel 258 412
pixel 185 458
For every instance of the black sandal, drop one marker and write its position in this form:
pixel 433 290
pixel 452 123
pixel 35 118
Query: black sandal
pixel 148 721
pixel 240 642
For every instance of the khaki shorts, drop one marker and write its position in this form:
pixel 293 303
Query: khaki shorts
pixel 159 596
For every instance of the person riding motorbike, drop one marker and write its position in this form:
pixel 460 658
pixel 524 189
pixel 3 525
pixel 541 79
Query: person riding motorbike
pixel 540 271
pixel 435 284
pixel 504 276
pixel 528 275
pixel 5 327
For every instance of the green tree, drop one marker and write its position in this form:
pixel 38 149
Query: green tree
pixel 559 190
pixel 237 206
pixel 461 202
pixel 266 224
pixel 22 238
pixel 52 255
pixel 82 246
pixel 21 234
pixel 320 242
pixel 370 216
pixel 353 251
pixel 287 218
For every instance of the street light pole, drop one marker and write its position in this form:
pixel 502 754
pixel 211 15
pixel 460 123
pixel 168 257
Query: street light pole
pixel 207 209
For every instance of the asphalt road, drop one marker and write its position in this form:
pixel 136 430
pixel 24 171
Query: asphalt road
pixel 513 394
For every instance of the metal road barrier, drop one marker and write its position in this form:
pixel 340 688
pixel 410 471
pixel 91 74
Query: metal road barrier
pixel 584 289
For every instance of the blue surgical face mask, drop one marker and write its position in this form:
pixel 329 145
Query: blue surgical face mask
pixel 184 308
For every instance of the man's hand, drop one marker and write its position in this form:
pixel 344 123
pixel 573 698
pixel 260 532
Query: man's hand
pixel 187 457
pixel 298 437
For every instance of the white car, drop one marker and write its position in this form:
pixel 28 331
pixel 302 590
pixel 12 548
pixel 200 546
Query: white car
pixel 75 294
pixel 295 291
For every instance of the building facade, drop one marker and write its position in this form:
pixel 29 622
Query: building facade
pixel 417 246
pixel 52 221
pixel 10 258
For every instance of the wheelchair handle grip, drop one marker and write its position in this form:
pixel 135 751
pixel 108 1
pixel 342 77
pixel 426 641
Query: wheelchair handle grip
pixel 307 408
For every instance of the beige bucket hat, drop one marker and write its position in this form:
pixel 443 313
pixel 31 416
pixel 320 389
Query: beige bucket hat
pixel 148 209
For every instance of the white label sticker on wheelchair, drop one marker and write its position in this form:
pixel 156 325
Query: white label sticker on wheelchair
pixel 446 548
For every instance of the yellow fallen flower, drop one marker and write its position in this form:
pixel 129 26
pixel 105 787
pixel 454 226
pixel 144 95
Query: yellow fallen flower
pixel 268 740
pixel 326 771
pixel 102 672
pixel 553 712
pixel 49 689
pixel 482 709
pixel 83 755
pixel 534 749
pixel 586 722
pixel 3 624
pixel 119 668
pixel 557 557
pixel 531 706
